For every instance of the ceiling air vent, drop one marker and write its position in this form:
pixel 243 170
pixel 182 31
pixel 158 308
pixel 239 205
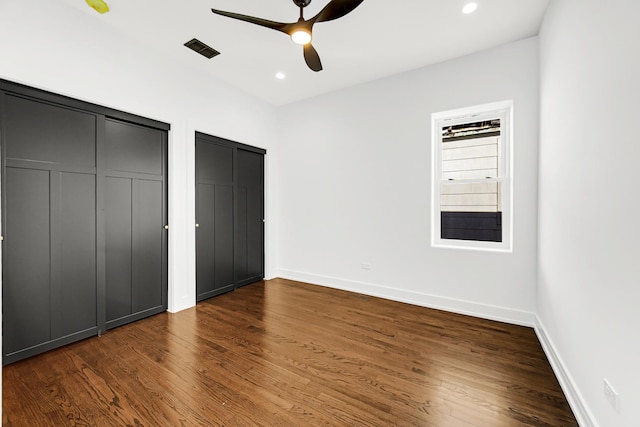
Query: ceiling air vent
pixel 204 50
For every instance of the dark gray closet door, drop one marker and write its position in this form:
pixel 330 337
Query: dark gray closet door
pixel 214 215
pixel 135 218
pixel 229 214
pixel 49 268
pixel 83 218
pixel 249 261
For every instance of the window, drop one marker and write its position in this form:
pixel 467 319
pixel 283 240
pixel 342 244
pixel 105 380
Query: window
pixel 471 196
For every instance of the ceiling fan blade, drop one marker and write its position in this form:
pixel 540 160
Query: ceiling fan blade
pixel 336 9
pixel 278 26
pixel 312 58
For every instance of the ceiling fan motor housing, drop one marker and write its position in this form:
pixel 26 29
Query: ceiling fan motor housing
pixel 302 3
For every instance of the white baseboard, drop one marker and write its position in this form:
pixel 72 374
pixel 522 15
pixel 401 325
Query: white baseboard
pixel 580 409
pixel 485 311
pixel 182 304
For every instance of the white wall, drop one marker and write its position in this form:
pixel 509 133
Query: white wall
pixel 53 46
pixel 589 276
pixel 354 186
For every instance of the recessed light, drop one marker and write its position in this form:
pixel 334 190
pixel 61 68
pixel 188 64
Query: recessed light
pixel 280 76
pixel 469 8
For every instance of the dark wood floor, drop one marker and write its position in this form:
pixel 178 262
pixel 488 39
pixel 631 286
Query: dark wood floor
pixel 282 353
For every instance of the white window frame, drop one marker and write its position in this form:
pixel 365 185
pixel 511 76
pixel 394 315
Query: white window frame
pixel 504 111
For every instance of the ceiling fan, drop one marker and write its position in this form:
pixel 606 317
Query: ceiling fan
pixel 300 32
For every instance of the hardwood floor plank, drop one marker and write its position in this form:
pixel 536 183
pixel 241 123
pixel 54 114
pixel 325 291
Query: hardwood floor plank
pixel 283 353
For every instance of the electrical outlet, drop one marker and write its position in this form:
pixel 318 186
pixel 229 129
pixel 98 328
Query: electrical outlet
pixel 611 395
pixel 365 266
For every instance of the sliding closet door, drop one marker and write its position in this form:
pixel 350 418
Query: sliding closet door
pixel 135 218
pixel 83 219
pixel 214 216
pixel 229 215
pixel 49 186
pixel 249 260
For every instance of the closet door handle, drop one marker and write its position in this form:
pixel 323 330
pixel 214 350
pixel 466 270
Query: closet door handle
pixel 166 227
pixel 197 225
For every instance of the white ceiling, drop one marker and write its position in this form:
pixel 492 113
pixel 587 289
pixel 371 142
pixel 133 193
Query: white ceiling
pixel 377 39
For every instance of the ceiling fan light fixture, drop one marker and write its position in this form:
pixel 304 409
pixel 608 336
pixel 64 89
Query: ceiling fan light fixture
pixel 301 36
pixel 300 31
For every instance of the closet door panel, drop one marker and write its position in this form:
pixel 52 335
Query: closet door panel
pixel 26 266
pixel 146 293
pixel 75 305
pixel 250 238
pixel 255 233
pixel 118 209
pixel 215 235
pixel 214 240
pixel 39 131
pixel 133 148
pixel 223 236
pixel 214 163
pixel 241 258
pixel 135 217
pixel 205 245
